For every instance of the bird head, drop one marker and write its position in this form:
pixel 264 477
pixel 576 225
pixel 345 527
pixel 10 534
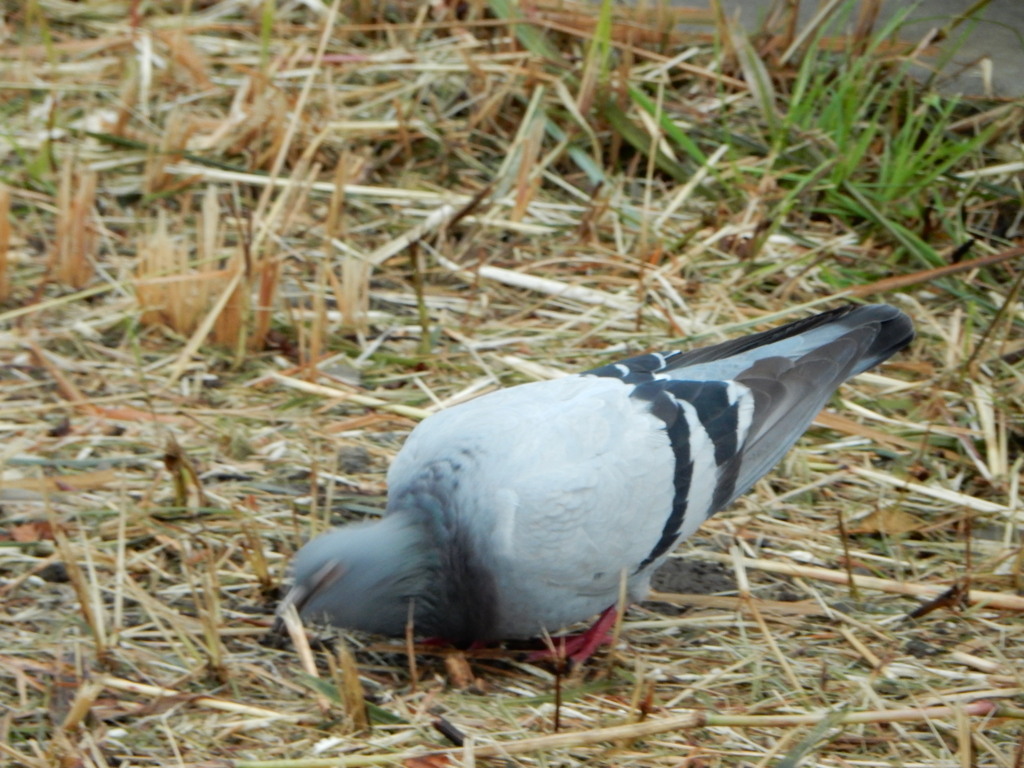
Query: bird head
pixel 363 576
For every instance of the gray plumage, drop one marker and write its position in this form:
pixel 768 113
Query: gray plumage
pixel 518 512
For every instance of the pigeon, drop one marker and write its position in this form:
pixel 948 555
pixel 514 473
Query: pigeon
pixel 525 510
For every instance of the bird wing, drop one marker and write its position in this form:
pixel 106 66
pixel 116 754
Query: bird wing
pixel 750 399
pixel 887 329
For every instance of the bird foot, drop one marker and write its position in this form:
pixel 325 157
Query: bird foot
pixel 579 648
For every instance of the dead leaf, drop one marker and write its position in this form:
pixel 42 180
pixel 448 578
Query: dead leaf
pixel 890 520
pixel 25 533
pixel 954 598
pixel 459 671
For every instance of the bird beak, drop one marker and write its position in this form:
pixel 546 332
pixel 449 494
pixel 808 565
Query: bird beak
pixel 301 594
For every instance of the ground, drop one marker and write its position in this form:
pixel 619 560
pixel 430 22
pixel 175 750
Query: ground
pixel 248 246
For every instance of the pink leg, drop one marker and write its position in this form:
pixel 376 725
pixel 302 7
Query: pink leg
pixel 579 648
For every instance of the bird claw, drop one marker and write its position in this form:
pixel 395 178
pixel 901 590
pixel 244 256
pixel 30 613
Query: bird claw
pixel 578 648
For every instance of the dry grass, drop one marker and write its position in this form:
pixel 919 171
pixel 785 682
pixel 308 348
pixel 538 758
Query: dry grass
pixel 249 246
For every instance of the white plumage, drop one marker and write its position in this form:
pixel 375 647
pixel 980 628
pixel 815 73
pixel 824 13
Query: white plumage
pixel 520 512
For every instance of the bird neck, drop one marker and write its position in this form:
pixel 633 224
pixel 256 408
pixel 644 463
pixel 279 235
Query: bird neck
pixel 460 600
pixel 406 579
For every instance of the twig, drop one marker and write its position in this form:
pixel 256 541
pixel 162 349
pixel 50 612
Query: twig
pixel 996 600
pixel 688 720
pixel 371 402
pixel 943 494
pixel 543 285
pixel 209 702
pixel 890 284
